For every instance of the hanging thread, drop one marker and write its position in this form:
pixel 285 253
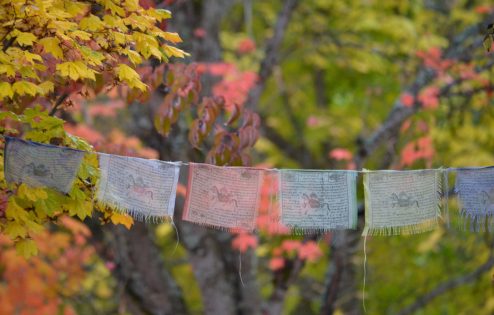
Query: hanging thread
pixel 365 274
pixel 240 268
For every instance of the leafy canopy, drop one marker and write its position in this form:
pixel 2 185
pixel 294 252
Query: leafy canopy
pixel 50 50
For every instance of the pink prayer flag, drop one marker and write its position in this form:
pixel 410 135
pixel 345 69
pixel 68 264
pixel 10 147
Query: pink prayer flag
pixel 223 197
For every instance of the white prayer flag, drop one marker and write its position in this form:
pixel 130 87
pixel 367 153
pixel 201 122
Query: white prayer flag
pixel 143 188
pixel 401 202
pixel 318 200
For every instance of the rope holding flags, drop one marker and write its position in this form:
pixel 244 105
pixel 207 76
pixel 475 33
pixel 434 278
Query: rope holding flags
pixel 224 197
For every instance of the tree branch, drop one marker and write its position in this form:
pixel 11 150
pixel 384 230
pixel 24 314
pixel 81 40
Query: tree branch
pixel 59 102
pixel 271 53
pixel 446 286
pixel 148 288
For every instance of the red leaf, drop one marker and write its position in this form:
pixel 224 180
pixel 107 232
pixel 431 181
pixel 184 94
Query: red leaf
pixel 340 154
pixel 243 241
pixel 309 251
pixel 429 97
pixel 200 32
pixel 407 99
pixel 290 245
pixel 246 46
pixel 420 149
pixel 276 263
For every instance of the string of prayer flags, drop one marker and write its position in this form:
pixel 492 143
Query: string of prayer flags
pixel 475 188
pixel 401 202
pixel 318 200
pixel 145 189
pixel 41 165
pixel 223 197
pixel 306 201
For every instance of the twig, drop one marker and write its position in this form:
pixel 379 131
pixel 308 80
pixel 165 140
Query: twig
pixel 59 102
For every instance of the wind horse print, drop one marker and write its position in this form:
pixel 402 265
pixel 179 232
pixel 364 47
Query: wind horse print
pixel 318 200
pixel 475 189
pixel 402 202
pixel 223 197
pixel 143 188
pixel 41 165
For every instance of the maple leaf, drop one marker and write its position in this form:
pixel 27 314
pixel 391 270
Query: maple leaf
pixel 25 88
pixel 6 90
pixel 24 38
pixel 124 219
pixel 51 45
pixel 130 76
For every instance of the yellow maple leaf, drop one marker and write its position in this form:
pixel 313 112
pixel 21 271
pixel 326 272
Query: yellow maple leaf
pixel 171 37
pixel 81 35
pixel 130 76
pixel 24 88
pixel 24 38
pixel 76 70
pixel 91 23
pixel 46 87
pixel 133 56
pixel 174 51
pixel 31 193
pixel 124 219
pixel 6 90
pixel 31 57
pixel 9 70
pixel 52 45
pixel 160 14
